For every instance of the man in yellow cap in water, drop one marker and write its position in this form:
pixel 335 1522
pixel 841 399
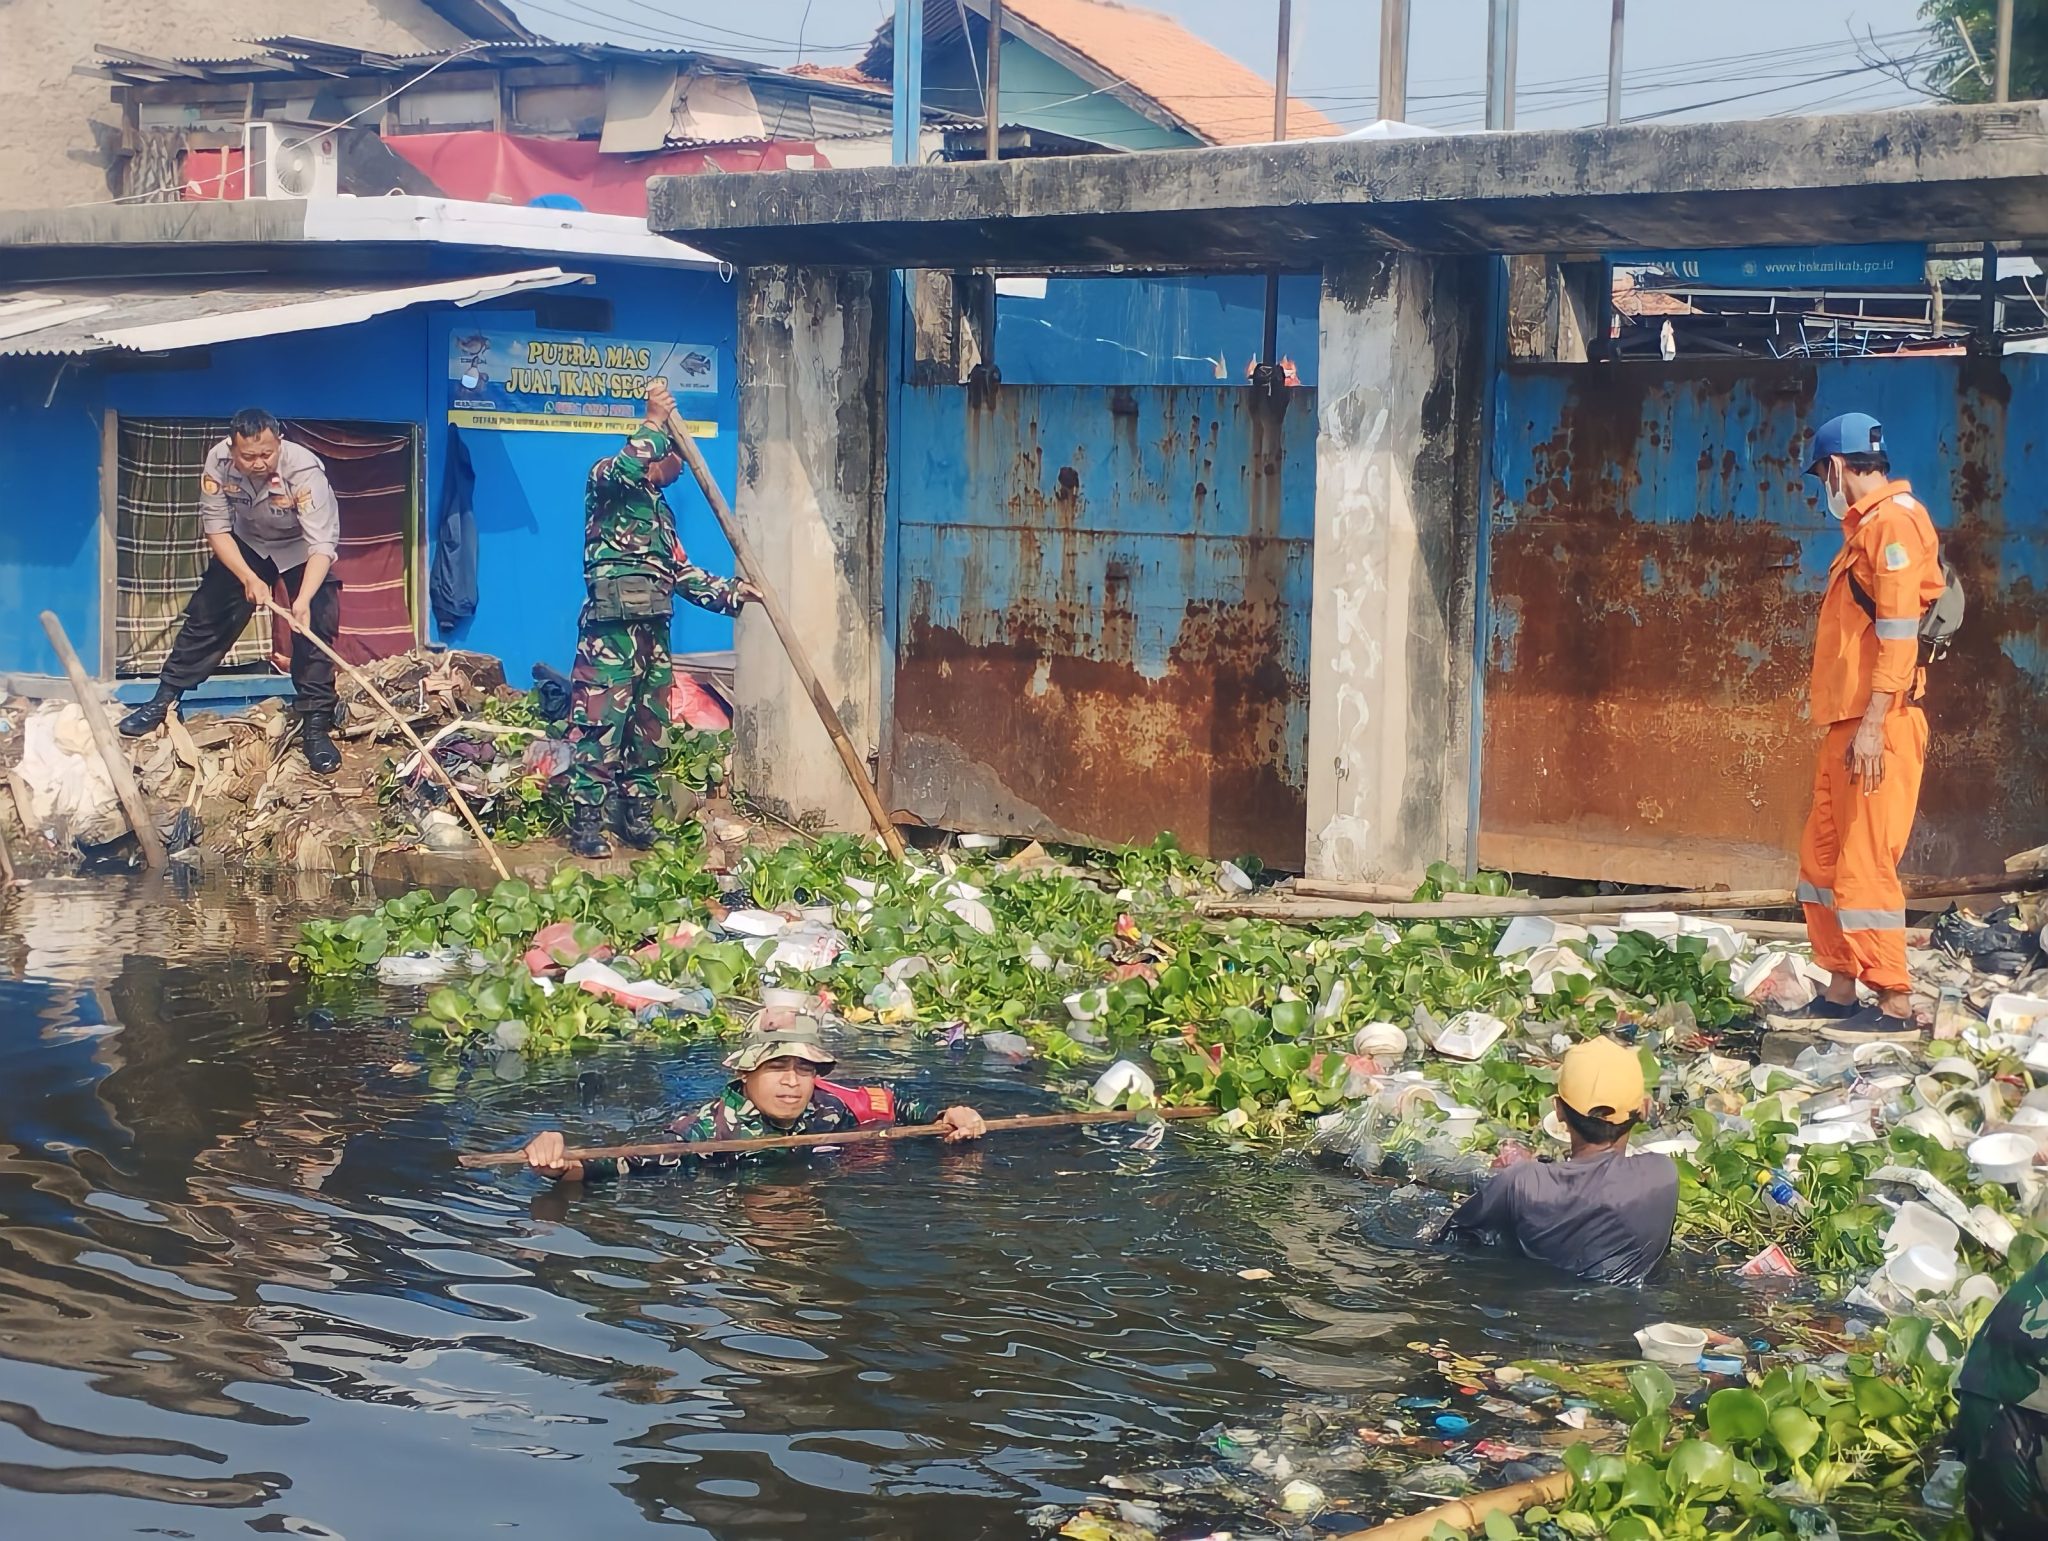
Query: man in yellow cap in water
pixel 778 1089
pixel 1604 1215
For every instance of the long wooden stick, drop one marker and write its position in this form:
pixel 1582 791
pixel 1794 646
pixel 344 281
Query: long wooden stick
pixel 847 1137
pixel 750 569
pixel 1481 907
pixel 1469 1514
pixel 109 745
pixel 362 679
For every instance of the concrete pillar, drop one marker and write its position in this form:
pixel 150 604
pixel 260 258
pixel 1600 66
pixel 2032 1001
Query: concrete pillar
pixel 810 499
pixel 1400 388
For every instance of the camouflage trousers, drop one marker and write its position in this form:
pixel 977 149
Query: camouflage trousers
pixel 618 708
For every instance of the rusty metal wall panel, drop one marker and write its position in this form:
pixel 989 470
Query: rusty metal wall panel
pixel 1102 614
pixel 1655 571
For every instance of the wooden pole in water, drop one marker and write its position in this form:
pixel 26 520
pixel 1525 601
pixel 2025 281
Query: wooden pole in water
pixel 750 569
pixel 109 745
pixel 426 756
pixel 1469 1514
pixel 1481 907
pixel 848 1137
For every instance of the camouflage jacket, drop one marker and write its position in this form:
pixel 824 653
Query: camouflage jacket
pixel 732 1116
pixel 2008 1364
pixel 629 529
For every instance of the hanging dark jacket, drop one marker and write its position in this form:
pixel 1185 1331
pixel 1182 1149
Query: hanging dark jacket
pixel 452 585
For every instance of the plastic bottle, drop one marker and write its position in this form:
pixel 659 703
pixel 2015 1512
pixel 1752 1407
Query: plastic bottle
pixel 1778 1191
pixel 1950 1016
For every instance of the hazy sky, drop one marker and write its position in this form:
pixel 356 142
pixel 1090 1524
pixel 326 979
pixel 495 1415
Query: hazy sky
pixel 1775 56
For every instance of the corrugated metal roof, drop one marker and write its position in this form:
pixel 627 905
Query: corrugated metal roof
pixel 163 315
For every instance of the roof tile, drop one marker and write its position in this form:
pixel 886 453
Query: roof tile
pixel 1223 101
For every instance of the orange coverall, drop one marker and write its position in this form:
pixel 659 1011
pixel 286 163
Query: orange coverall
pixel 1849 856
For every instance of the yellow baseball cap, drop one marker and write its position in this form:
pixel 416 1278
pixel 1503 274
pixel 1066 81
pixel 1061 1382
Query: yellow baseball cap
pixel 1602 1079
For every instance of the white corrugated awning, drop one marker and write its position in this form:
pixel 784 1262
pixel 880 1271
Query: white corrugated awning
pixel 164 315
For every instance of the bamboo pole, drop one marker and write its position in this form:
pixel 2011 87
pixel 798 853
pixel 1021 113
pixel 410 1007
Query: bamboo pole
pixel 846 1137
pixel 750 569
pixel 1481 907
pixel 363 680
pixel 1469 1514
pixel 108 744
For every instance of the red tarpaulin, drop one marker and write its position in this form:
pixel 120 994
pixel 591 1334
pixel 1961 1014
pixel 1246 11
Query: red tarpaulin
pixel 485 167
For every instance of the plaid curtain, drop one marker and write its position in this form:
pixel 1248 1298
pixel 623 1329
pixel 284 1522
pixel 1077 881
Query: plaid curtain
pixel 159 549
pixel 162 553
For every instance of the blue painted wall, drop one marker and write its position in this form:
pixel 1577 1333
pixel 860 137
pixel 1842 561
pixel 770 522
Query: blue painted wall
pixel 389 369
pixel 1042 94
pixel 1102 611
pixel 49 512
pixel 1194 330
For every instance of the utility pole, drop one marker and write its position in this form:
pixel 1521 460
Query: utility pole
pixel 2001 79
pixel 2001 91
pixel 1394 59
pixel 995 75
pixel 907 93
pixel 1269 346
pixel 1614 31
pixel 1502 26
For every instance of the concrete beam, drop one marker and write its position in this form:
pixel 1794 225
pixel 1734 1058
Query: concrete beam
pixel 1400 395
pixel 1938 173
pixel 810 498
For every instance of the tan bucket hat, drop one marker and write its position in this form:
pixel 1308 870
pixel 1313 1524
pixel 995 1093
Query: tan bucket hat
pixel 780 1035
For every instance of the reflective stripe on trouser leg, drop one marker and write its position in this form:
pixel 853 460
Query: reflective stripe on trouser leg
pixel 1872 830
pixel 1819 854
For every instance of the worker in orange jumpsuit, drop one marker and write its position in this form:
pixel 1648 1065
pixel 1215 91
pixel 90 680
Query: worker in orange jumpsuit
pixel 1866 687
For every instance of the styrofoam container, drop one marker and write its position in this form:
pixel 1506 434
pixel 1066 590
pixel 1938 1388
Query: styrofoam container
pixel 2018 1014
pixel 1923 1270
pixel 1919 1225
pixel 1087 1005
pixel 1528 933
pixel 780 998
pixel 2002 1158
pixel 1469 1035
pixel 1935 1125
pixel 1382 1040
pixel 1671 1342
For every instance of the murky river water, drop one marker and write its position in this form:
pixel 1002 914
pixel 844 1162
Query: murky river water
pixel 244 1286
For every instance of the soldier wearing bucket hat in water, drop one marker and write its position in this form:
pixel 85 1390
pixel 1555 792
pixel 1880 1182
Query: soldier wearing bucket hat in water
pixel 1604 1215
pixel 778 1089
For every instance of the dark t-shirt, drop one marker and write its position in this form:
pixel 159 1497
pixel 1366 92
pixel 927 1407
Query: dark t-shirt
pixel 1607 1218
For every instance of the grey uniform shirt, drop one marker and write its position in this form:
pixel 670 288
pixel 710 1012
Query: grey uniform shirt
pixel 1608 1218
pixel 286 518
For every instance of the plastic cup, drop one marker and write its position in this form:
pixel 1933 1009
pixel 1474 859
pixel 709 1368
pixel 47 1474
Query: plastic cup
pixel 1919 1225
pixel 2002 1158
pixel 1923 1270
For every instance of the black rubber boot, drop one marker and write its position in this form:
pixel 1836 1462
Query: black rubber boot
pixel 586 830
pixel 149 716
pixel 634 822
pixel 322 758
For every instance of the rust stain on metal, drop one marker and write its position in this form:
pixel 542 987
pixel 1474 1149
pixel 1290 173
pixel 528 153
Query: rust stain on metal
pixel 1120 650
pixel 1655 576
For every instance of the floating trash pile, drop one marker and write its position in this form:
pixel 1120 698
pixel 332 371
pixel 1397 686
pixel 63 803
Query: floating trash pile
pixel 1899 1185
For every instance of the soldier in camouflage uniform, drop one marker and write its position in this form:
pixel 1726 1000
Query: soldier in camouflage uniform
pixel 2001 1428
pixel 633 566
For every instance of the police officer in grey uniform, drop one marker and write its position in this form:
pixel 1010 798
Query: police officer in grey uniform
pixel 269 516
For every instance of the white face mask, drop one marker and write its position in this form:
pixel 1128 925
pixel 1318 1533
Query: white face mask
pixel 1838 500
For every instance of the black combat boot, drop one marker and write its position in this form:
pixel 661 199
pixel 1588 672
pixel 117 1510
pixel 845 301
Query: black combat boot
pixel 315 730
pixel 586 830
pixel 634 822
pixel 149 716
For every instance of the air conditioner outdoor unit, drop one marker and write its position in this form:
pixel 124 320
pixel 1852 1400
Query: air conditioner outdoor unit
pixel 291 160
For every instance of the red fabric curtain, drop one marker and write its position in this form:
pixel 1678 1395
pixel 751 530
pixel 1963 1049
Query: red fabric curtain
pixel 373 474
pixel 498 168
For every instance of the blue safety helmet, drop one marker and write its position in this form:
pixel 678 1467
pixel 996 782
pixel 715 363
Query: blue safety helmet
pixel 1853 433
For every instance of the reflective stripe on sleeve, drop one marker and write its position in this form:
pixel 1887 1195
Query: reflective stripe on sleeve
pixel 1901 629
pixel 1872 920
pixel 1808 894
